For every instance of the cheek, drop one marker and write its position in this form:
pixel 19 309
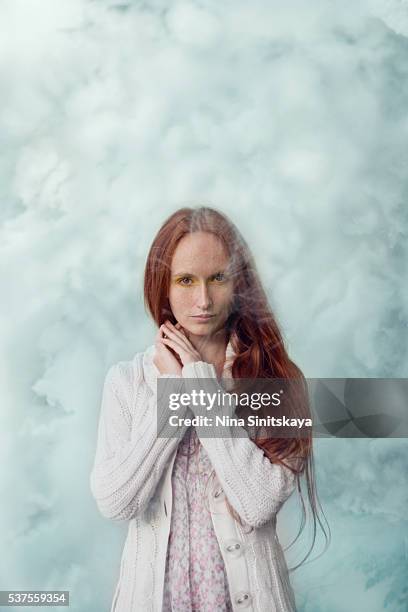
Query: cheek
pixel 179 298
pixel 225 297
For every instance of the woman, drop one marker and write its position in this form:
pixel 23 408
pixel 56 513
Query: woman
pixel 201 511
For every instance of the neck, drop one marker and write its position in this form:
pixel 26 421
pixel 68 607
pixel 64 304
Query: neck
pixel 211 348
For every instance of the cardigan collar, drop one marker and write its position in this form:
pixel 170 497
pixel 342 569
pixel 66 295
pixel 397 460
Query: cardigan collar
pixel 151 372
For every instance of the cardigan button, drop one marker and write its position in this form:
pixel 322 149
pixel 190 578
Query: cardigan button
pixel 234 548
pixel 243 599
pixel 218 492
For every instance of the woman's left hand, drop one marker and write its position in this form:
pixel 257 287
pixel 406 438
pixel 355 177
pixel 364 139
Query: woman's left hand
pixel 178 341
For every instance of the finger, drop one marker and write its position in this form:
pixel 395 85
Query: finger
pixel 163 336
pixel 160 346
pixel 174 345
pixel 183 331
pixel 172 329
pixel 162 332
pixel 180 347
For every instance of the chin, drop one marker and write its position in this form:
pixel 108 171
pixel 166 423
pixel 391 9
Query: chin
pixel 200 329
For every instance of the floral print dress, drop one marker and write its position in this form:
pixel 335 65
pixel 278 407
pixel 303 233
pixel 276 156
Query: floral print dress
pixel 195 577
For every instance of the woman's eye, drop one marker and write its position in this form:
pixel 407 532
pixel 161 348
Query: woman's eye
pixel 187 281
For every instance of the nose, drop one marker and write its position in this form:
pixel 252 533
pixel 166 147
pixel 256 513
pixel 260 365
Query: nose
pixel 204 300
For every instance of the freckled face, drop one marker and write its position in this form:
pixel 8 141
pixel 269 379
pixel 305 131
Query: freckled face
pixel 200 283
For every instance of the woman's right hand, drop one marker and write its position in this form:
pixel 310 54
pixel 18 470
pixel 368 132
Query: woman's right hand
pixel 164 360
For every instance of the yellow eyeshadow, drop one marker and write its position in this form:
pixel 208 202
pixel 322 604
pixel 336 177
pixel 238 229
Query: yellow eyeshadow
pixel 190 281
pixel 180 278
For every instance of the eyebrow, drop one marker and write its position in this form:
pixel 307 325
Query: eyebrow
pixel 189 273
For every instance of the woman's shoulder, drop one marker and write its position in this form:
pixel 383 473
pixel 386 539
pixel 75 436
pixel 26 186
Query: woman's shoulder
pixel 130 374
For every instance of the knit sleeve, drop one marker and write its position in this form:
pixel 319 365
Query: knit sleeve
pixel 130 456
pixel 255 487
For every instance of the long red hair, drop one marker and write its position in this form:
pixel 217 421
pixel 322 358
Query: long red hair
pixel 252 330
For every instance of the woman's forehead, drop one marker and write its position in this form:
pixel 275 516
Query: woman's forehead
pixel 199 249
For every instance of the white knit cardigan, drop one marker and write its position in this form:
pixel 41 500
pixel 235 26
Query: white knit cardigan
pixel 131 481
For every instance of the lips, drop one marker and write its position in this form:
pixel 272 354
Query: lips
pixel 203 316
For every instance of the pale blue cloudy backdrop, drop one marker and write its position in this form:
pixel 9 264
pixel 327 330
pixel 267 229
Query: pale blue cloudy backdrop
pixel 292 118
